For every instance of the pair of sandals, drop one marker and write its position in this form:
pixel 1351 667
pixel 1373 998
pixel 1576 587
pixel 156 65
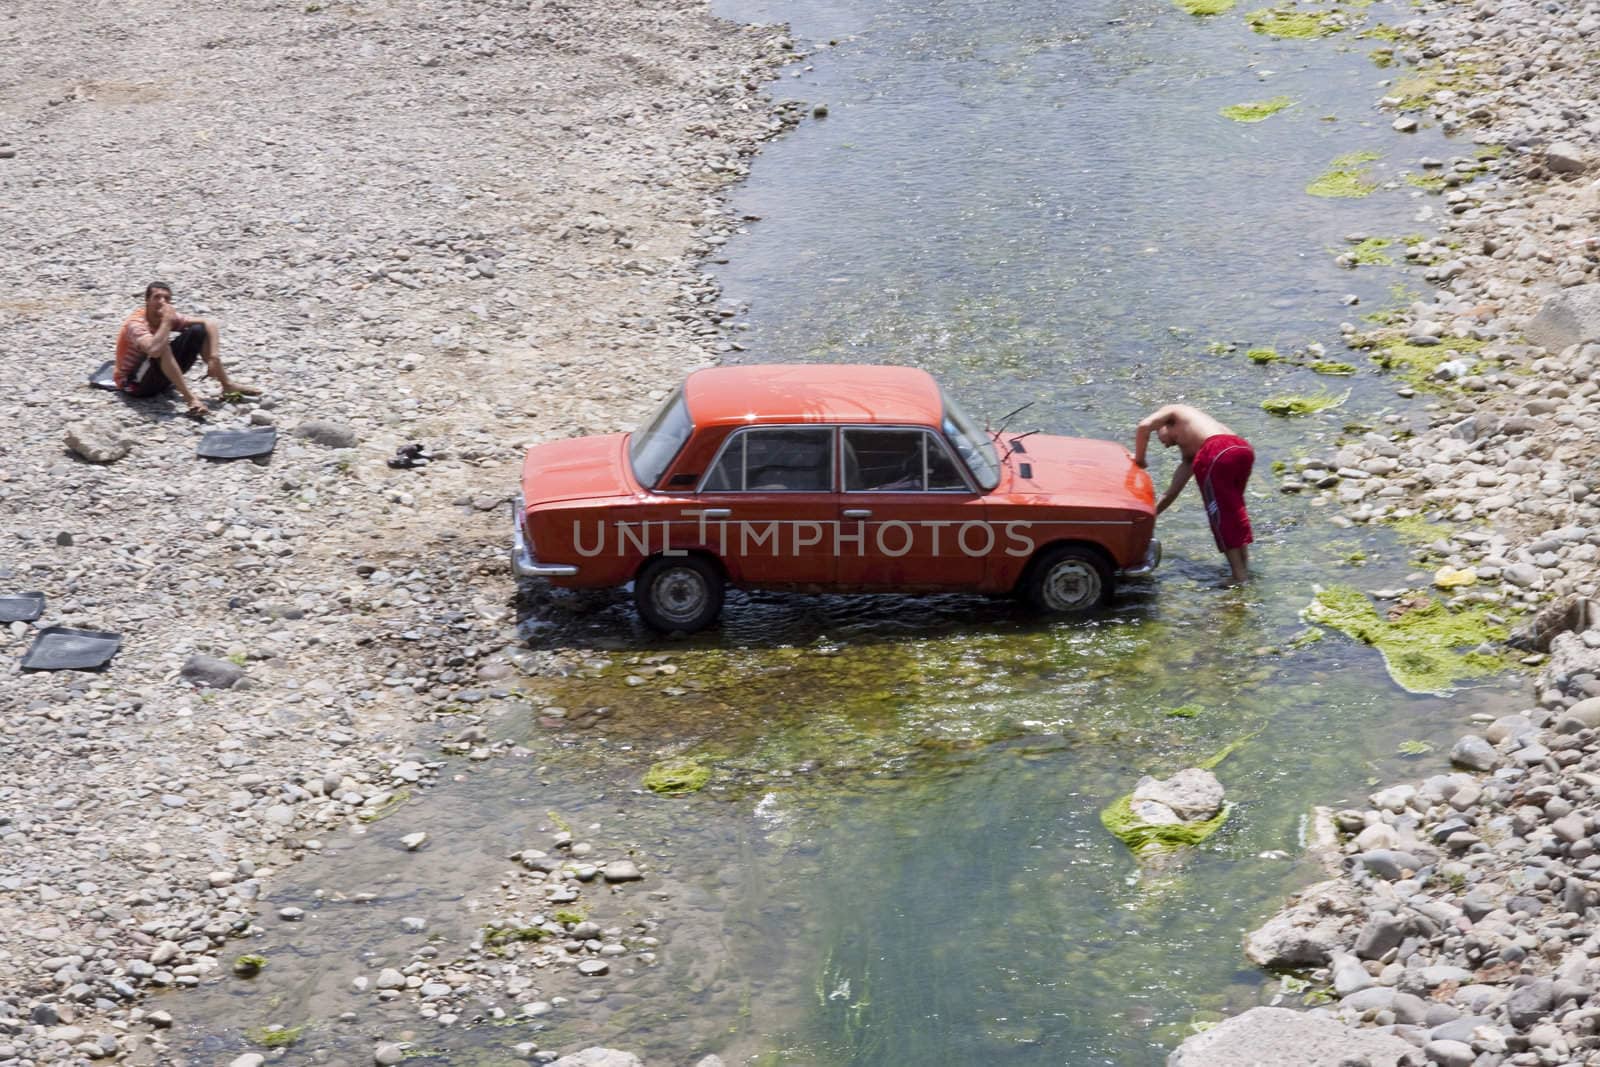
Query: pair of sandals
pixel 408 456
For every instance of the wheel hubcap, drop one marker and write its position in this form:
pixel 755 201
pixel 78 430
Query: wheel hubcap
pixel 680 594
pixel 1071 585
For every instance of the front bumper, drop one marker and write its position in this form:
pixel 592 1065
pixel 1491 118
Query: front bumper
pixel 1152 560
pixel 522 561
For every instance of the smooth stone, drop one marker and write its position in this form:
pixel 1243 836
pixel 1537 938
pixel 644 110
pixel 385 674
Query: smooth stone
pixel 327 433
pixel 1280 1036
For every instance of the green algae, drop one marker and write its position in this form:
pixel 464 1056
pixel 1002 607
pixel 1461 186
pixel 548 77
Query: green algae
pixel 1346 179
pixel 1204 8
pixel 1186 711
pixel 1416 530
pixel 1416 91
pixel 499 936
pixel 1144 838
pixel 1257 111
pixel 1291 405
pixel 387 808
pixel 1288 22
pixel 1331 366
pixel 1426 646
pixel 1382 57
pixel 1263 355
pixel 1432 183
pixel 275 1036
pixel 249 965
pixel 1416 364
pixel 1381 32
pixel 1370 253
pixel 677 776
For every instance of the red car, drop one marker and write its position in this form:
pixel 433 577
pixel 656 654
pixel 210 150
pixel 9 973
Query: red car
pixel 827 478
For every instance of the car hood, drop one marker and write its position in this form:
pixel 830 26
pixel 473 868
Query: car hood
pixel 1081 468
pixel 579 468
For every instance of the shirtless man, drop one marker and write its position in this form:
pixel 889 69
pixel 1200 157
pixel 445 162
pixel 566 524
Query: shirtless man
pixel 156 345
pixel 1219 461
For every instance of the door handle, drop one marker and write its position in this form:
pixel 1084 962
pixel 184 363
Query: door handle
pixel 712 513
pixel 857 513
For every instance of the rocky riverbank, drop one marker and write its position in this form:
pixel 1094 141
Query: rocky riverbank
pixel 470 225
pixel 1460 928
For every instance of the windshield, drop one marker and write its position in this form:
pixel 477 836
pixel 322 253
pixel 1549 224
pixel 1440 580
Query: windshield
pixel 658 440
pixel 972 443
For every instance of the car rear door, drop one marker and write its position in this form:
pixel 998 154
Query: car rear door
pixel 909 518
pixel 768 506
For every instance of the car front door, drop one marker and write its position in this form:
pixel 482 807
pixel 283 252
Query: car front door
pixel 908 516
pixel 768 506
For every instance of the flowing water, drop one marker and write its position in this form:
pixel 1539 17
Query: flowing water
pixel 899 859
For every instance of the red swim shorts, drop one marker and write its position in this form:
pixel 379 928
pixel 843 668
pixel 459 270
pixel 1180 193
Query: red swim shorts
pixel 1221 469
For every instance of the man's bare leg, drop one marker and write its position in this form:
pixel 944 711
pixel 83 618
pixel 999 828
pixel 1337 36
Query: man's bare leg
pixel 1239 563
pixel 208 352
pixel 169 366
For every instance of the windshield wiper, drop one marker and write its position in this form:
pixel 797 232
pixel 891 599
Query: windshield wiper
pixel 1006 420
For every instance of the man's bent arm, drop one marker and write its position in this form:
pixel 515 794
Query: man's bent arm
pixel 1180 478
pixel 1141 435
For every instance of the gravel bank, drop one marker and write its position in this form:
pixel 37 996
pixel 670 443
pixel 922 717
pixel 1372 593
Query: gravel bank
pixel 472 225
pixel 1461 922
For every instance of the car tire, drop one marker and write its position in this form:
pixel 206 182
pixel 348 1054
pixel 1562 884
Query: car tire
pixel 1068 579
pixel 678 594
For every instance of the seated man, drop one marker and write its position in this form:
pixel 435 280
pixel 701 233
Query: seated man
pixel 156 345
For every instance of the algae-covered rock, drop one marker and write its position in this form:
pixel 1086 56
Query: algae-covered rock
pixel 1427 647
pixel 677 776
pixel 1162 815
pixel 1348 178
pixel 1256 111
pixel 1287 406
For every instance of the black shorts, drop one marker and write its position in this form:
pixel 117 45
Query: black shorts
pixel 148 378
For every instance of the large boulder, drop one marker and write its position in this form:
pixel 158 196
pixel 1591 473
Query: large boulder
pixel 1569 317
pixel 599 1057
pixel 1280 1036
pixel 1191 794
pixel 1564 157
pixel 1323 918
pixel 97 440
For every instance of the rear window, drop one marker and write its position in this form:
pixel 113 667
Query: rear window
pixel 653 446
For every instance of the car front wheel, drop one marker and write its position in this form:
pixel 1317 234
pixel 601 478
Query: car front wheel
pixel 678 593
pixel 1068 579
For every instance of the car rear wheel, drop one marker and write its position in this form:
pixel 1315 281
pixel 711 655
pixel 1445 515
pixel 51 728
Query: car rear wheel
pixel 678 593
pixel 1068 579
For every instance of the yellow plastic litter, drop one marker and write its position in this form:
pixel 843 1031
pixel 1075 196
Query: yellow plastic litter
pixel 1451 578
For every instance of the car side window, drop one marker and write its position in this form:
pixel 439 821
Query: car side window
pixel 942 471
pixel 882 461
pixel 897 461
pixel 774 460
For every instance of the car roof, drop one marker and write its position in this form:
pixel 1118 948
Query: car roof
pixel 813 392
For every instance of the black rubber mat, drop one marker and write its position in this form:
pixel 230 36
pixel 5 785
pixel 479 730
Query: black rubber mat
pixel 238 444
pixel 105 377
pixel 61 648
pixel 21 607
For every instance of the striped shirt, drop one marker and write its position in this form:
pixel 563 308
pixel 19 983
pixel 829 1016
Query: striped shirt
pixel 130 344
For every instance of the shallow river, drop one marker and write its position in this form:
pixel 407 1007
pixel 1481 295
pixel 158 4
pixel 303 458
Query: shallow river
pixel 899 859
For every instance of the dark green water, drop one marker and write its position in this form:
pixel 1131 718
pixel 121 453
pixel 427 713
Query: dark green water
pixel 899 859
